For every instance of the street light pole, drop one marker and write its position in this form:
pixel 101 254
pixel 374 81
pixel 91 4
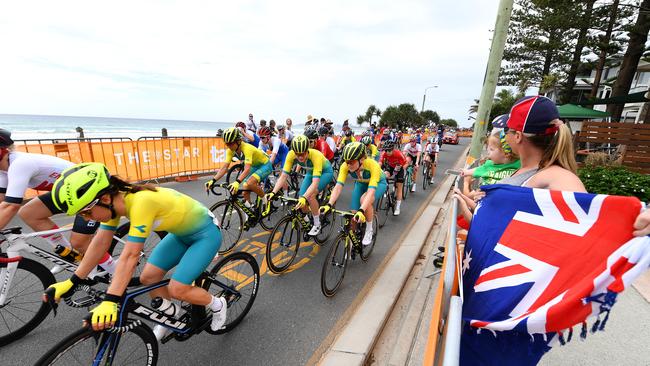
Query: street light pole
pixel 424 97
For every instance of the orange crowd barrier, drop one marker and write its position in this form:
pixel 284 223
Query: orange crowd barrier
pixel 144 159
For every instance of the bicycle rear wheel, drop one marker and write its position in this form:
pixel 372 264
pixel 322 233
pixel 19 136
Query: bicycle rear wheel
pixel 23 309
pixel 231 219
pixel 283 245
pixel 327 222
pixel 425 176
pixel 240 272
pixel 383 208
pixel 138 346
pixel 334 266
pixel 367 249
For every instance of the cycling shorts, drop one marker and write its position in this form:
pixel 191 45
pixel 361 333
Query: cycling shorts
pixel 80 225
pixel 432 156
pixel 326 177
pixel 260 172
pixel 361 188
pixel 190 254
pixel 399 176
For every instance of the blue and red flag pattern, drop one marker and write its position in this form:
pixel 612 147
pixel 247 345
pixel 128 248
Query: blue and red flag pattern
pixel 538 261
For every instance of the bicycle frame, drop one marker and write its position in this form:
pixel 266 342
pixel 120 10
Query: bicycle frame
pixel 109 339
pixel 18 245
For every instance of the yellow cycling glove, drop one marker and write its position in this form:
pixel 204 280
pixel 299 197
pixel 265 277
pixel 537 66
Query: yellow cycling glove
pixel 63 287
pixel 234 187
pixel 302 202
pixel 326 208
pixel 105 314
pixel 360 216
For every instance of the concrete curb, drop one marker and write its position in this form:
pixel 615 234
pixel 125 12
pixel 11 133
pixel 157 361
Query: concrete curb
pixel 357 338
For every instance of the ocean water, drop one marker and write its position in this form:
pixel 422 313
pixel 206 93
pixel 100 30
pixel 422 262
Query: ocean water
pixel 49 127
pixel 23 126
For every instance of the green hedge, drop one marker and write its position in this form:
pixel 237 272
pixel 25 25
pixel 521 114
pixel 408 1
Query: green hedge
pixel 616 180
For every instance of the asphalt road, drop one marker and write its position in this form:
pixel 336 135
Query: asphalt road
pixel 290 317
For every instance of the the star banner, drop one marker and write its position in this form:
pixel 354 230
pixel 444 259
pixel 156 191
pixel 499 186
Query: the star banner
pixel 539 262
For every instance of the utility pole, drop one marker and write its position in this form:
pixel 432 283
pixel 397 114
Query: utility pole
pixel 491 78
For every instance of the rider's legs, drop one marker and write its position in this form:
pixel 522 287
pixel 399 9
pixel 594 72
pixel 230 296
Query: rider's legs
pixel 36 214
pixel 190 254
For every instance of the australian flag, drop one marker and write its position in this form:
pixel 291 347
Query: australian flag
pixel 539 262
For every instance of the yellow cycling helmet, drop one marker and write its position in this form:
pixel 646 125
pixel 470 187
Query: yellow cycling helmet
pixel 300 144
pixel 80 185
pixel 231 135
pixel 354 151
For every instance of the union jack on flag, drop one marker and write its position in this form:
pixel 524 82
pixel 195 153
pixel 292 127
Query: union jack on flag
pixel 538 262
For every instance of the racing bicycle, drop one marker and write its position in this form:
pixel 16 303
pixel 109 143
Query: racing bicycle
pixel 23 280
pixel 235 217
pixel 386 205
pixel 346 245
pixel 285 238
pixel 132 342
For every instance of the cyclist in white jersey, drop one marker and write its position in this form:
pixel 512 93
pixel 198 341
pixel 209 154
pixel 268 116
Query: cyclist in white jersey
pixel 412 150
pixel 20 171
pixel 431 151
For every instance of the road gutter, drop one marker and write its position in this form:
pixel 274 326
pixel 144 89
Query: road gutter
pixel 367 315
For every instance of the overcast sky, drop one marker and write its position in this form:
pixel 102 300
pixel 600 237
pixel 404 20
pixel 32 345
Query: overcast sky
pixel 218 61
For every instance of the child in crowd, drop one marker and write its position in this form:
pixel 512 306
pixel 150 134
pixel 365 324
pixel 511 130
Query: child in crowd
pixel 501 163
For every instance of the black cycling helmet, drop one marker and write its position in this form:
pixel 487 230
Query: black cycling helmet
pixel 311 133
pixel 323 131
pixel 300 144
pixel 388 145
pixel 5 138
pixel 219 133
pixel 354 151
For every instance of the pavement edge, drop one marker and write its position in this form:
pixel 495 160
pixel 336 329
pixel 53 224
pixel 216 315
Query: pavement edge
pixel 355 340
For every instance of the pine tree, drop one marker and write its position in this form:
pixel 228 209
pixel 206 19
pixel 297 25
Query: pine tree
pixel 539 39
pixel 638 36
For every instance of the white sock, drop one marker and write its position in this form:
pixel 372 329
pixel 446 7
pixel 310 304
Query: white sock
pixel 215 304
pixel 57 239
pixel 398 203
pixel 369 226
pixel 316 220
pixel 108 263
pixel 248 204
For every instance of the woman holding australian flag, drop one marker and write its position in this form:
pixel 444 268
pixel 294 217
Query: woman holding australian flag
pixel 539 259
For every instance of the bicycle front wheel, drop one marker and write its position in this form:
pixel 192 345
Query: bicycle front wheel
pixel 279 209
pixel 237 278
pixel 231 219
pixel 334 266
pixel 283 245
pixel 23 309
pixel 233 172
pixel 138 346
pixel 150 243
